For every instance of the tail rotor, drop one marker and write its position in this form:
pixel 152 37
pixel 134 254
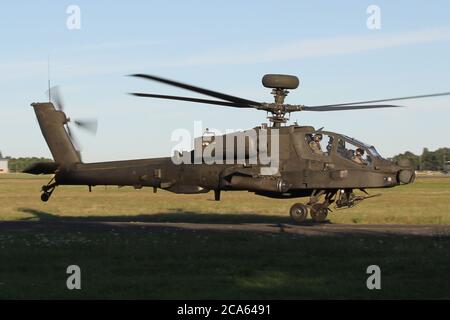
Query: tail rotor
pixel 89 125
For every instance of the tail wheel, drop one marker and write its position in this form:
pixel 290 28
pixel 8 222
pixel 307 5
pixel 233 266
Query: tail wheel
pixel 48 189
pixel 299 212
pixel 45 196
pixel 319 212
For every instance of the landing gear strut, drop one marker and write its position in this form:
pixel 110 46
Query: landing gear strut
pixel 317 210
pixel 48 189
pixel 343 198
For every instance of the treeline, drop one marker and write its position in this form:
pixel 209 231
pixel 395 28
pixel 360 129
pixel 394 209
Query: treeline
pixel 19 164
pixel 428 160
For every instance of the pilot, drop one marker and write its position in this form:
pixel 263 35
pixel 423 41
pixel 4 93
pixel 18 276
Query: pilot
pixel 330 145
pixel 315 144
pixel 358 157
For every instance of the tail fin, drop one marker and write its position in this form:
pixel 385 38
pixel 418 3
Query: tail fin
pixel 52 124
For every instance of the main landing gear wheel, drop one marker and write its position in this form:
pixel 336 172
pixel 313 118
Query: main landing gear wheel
pixel 319 212
pixel 299 212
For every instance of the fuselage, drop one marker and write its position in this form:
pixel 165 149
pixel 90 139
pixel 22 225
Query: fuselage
pixel 299 169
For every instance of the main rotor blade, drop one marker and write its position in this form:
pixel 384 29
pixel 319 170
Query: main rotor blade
pixel 351 107
pixel 207 92
pixel 89 125
pixel 215 102
pixel 386 100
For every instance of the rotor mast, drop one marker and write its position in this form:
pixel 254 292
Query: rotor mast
pixel 278 116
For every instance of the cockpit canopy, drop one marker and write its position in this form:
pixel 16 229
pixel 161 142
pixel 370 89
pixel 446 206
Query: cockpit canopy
pixel 369 148
pixel 325 144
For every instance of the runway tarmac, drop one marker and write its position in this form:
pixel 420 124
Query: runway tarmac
pixel 310 229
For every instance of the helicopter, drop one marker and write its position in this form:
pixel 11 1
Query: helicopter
pixel 325 167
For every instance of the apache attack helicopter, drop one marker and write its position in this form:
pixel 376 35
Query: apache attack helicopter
pixel 325 166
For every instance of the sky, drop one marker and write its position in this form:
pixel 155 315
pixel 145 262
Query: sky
pixel 225 46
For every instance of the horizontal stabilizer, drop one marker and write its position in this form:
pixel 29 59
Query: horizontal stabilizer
pixel 42 168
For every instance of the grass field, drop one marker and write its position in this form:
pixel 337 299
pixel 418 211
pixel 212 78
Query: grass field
pixel 139 262
pixel 425 202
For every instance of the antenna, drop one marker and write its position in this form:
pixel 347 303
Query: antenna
pixel 48 75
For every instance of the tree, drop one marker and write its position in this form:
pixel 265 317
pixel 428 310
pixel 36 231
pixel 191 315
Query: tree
pixel 415 160
pixel 19 164
pixel 429 160
pixel 442 156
